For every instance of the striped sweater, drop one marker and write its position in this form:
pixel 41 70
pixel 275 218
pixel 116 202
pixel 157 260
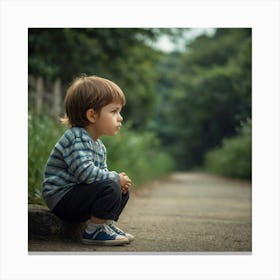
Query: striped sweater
pixel 76 158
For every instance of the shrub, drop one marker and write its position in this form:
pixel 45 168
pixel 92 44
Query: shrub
pixel 138 154
pixel 234 157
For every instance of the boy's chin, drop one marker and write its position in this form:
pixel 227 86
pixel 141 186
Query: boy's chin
pixel 112 133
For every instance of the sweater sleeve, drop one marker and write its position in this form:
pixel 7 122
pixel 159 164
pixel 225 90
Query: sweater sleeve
pixel 81 163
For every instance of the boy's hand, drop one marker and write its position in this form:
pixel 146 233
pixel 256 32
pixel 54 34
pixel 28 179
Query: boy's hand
pixel 125 182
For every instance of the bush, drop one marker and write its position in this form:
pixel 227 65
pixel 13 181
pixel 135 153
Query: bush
pixel 138 155
pixel 234 157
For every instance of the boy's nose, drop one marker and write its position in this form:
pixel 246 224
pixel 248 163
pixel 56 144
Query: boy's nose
pixel 120 118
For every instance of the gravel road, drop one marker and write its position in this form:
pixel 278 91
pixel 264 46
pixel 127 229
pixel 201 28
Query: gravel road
pixel 187 213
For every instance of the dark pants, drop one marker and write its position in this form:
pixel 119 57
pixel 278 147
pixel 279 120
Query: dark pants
pixel 103 200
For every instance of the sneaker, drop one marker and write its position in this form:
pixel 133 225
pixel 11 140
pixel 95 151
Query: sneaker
pixel 104 235
pixel 120 232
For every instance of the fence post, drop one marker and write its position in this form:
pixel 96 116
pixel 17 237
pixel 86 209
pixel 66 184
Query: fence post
pixel 39 95
pixel 56 110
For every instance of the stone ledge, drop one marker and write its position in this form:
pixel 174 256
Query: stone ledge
pixel 42 224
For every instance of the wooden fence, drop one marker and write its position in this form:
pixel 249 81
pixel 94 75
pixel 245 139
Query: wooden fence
pixel 45 96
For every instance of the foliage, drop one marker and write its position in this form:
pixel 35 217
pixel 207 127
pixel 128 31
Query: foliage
pixel 119 54
pixel 138 155
pixel 209 94
pixel 233 158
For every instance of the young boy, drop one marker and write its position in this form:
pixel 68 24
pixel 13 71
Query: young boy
pixel 78 185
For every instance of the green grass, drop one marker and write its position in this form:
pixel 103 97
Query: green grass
pixel 43 132
pixel 139 155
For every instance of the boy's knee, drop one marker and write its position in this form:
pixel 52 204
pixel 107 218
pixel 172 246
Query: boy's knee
pixel 126 196
pixel 114 188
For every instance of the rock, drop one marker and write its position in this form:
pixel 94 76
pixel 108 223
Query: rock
pixel 42 224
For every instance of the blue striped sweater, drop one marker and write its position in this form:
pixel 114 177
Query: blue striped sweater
pixel 76 158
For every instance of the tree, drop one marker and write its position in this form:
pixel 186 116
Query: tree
pixel 211 96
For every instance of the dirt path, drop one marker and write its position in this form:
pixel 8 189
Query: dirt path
pixel 187 213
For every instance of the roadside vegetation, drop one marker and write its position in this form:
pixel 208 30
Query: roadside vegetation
pixel 233 157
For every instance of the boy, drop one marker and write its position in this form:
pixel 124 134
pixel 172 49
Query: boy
pixel 77 185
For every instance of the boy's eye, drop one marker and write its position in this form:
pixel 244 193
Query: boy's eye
pixel 116 111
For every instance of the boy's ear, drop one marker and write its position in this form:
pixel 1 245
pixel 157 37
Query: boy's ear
pixel 91 115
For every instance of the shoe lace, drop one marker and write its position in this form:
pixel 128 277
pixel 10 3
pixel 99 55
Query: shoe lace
pixel 117 230
pixel 107 229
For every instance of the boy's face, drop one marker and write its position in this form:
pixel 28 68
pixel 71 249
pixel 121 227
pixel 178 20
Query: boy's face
pixel 109 120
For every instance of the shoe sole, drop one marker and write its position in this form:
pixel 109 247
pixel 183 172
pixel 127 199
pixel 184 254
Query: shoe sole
pixel 115 242
pixel 129 237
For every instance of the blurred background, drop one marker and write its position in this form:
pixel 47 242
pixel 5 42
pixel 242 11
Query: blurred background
pixel 188 97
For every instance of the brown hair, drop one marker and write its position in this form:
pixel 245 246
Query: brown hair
pixel 88 92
